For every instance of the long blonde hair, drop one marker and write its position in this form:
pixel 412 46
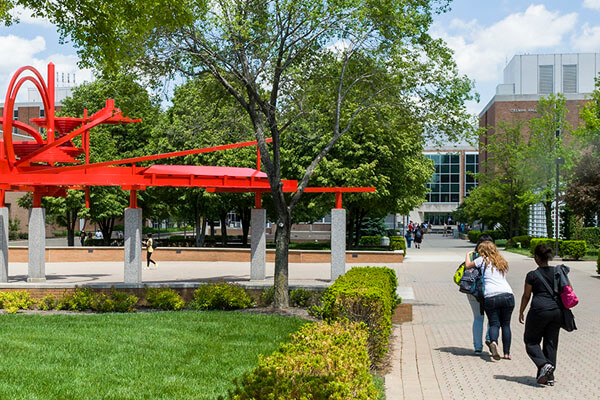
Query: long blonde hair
pixel 490 254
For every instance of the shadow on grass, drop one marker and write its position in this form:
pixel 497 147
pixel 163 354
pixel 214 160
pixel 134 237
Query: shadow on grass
pixel 524 380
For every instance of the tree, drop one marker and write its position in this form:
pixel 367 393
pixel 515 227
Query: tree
pixel 255 50
pixel 112 142
pixel 204 114
pixel 505 177
pixel 549 140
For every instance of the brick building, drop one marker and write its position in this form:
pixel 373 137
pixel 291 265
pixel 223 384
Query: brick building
pixel 527 78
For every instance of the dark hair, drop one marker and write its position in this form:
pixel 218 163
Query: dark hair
pixel 484 238
pixel 149 235
pixel 543 252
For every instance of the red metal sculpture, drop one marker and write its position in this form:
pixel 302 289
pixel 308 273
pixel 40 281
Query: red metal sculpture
pixel 30 165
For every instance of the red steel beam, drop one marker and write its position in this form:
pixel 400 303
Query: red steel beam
pixel 150 158
pixel 306 190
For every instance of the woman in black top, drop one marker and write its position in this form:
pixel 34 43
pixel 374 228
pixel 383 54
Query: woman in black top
pixel 544 317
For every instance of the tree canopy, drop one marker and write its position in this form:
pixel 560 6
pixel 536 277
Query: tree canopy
pixel 261 52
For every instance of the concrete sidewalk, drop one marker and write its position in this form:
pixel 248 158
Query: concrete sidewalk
pixel 433 357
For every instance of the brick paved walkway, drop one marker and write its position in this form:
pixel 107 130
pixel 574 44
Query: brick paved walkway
pixel 432 357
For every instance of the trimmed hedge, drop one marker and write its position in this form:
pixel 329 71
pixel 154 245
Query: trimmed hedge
pixel 398 243
pixel 598 263
pixel 221 296
pixel 525 241
pixel 85 299
pixel 322 361
pixel 370 241
pixel 496 235
pixel 566 248
pixel 474 236
pixel 363 294
pixel 574 249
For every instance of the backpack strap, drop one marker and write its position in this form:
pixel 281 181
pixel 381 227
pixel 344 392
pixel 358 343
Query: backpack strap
pixel 546 284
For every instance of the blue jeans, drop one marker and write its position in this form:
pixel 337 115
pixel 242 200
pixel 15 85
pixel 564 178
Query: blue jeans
pixel 477 324
pixel 499 310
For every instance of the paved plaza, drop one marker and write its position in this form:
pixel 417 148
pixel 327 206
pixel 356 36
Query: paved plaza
pixel 433 356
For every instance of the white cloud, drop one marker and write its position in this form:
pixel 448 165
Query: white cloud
pixel 480 51
pixel 593 4
pixel 27 52
pixel 25 16
pixel 588 40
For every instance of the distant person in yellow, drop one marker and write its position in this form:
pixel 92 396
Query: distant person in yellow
pixel 149 250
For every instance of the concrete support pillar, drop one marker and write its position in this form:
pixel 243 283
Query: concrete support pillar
pixel 338 242
pixel 133 245
pixel 3 244
pixel 258 244
pixel 36 271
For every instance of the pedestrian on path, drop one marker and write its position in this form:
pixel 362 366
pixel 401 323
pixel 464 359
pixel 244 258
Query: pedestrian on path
pixel 149 250
pixel 418 237
pixel 477 308
pixel 499 301
pixel 544 317
pixel 82 237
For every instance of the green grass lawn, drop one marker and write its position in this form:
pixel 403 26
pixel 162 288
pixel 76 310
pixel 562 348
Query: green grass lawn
pixel 154 355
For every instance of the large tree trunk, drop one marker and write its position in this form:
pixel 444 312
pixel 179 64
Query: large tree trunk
pixel 106 227
pixel 282 242
pixel 223 218
pixel 245 216
pixel 200 228
pixel 212 229
pixel 71 219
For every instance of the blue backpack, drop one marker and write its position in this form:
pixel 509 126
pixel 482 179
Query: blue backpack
pixel 472 281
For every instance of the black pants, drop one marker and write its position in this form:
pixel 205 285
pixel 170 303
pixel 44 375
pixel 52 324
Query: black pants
pixel 499 310
pixel 149 259
pixel 542 325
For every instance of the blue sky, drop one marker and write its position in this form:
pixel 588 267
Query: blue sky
pixel 484 34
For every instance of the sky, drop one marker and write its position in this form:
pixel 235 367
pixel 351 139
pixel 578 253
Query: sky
pixel 484 35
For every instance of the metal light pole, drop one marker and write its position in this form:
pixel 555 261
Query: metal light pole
pixel 558 162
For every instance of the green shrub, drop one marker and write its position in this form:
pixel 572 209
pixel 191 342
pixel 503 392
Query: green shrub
pixel 80 300
pixel 321 361
pixel 363 294
pixel 300 297
pixel 115 302
pixel 14 301
pixel 370 241
pixel 398 243
pixel 267 296
pixel 474 236
pixel 164 299
pixel 48 302
pixel 85 299
pixel 591 235
pixel 598 263
pixel 574 249
pixel 525 241
pixel 534 242
pixel 221 296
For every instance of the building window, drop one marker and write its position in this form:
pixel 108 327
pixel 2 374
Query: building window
pixel 445 185
pixel 570 78
pixel 471 167
pixel 16 114
pixel 42 113
pixel 546 79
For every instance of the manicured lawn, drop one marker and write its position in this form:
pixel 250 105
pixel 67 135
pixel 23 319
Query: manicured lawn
pixel 162 355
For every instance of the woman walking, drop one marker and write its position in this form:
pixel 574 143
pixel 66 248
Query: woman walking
pixel 149 250
pixel 499 301
pixel 544 317
pixel 477 308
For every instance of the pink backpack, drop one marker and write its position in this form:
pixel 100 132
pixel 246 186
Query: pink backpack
pixel 568 297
